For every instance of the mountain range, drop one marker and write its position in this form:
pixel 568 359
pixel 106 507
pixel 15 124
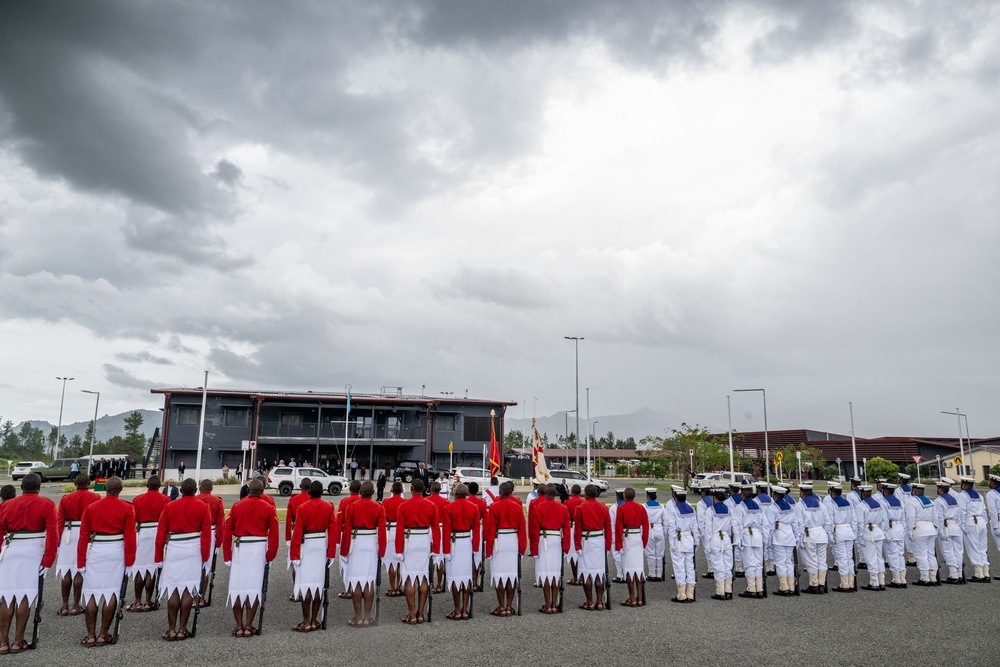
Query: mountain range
pixel 108 426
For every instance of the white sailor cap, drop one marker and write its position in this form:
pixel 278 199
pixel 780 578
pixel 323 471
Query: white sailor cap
pixel 889 486
pixel 677 489
pixel 622 490
pixel 833 485
pixel 881 480
pixel 855 480
pixel 918 486
pixel 651 489
pixel 995 478
pixel 903 476
pixel 779 489
pixel 865 487
pixel 806 485
pixel 734 485
pixel 967 480
pixel 764 485
pixel 946 481
pixel 746 487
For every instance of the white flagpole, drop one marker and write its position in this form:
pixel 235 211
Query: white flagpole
pixel 201 430
pixel 347 418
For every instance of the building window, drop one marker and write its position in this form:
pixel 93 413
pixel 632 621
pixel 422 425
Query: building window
pixel 291 419
pixel 188 416
pixel 236 416
pixel 447 422
pixel 477 428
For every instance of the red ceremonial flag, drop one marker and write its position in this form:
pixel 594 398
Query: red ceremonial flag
pixel 542 475
pixel 494 451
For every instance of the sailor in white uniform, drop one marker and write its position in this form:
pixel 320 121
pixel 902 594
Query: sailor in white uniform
pixel 895 513
pixel 974 525
pixel 784 539
pixel 871 526
pixel 767 506
pixel 854 497
pixel 616 554
pixel 750 535
pixel 920 526
pixel 813 519
pixel 718 538
pixel 993 507
pixel 841 530
pixel 948 519
pixel 734 501
pixel 701 510
pixel 683 533
pixel 657 531
pixel 903 492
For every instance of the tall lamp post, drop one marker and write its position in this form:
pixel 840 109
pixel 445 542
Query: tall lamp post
pixel 93 435
pixel 961 450
pixel 62 400
pixel 767 450
pixel 576 344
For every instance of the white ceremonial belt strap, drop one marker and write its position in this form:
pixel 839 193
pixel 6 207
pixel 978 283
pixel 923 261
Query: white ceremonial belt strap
pixel 180 537
pixel 313 534
pixel 459 534
pixel 359 531
pixel 107 537
pixel 390 524
pixel 414 531
pixel 147 524
pixel 506 531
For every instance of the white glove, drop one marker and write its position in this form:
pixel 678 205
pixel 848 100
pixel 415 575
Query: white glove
pixel 296 563
pixel 228 563
pixel 329 562
pixel 343 561
pixel 42 571
pixel 81 570
pixel 287 544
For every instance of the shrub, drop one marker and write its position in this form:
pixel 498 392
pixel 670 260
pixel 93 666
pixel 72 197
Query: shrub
pixel 879 467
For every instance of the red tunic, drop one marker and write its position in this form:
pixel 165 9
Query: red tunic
pixel 441 503
pixel 251 516
pixel 72 505
pixel 460 516
pixel 417 512
pixel 630 514
pixel 32 512
pixel 531 503
pixel 108 516
pixel 292 508
pixel 313 516
pixel 573 504
pixel 149 505
pixel 217 511
pixel 344 504
pixel 363 514
pixel 548 515
pixel 505 514
pixel 592 515
pixel 187 514
pixel 391 506
pixel 481 504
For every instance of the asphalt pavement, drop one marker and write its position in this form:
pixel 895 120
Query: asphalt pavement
pixel 953 625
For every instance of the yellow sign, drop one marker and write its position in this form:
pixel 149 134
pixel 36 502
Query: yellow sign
pixel 451 447
pixel 958 460
pixel 779 457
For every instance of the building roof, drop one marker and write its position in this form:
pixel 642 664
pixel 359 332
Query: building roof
pixel 391 395
pixel 570 452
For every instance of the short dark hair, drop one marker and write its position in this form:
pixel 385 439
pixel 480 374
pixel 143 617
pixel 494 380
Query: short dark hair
pixel 315 489
pixel 416 486
pixel 206 486
pixel 590 491
pixel 367 489
pixel 189 487
pixel 473 488
pixel 255 487
pixel 435 487
pixel 397 487
pixel 629 493
pixel 82 480
pixel 576 490
pixel 8 492
pixel 304 484
pixel 355 486
pixel 31 482
pixel 153 482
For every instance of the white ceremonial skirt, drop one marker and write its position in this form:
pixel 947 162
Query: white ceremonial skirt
pixel 416 559
pixel 458 567
pixel 66 557
pixel 19 571
pixel 145 552
pixel 105 570
pixel 592 558
pixel 548 563
pixel 503 563
pixel 311 572
pixel 246 575
pixel 391 555
pixel 633 555
pixel 362 562
pixel 182 568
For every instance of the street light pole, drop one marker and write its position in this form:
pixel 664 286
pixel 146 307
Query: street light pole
pixel 201 429
pixel 961 450
pixel 93 435
pixel 732 466
pixel 576 344
pixel 854 445
pixel 767 449
pixel 62 400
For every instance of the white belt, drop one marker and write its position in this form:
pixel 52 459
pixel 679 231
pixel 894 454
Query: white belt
pixel 70 525
pixel 180 537
pixel 147 524
pixel 359 531
pixel 588 535
pixel 546 532
pixel 313 534
pixel 629 531
pixel 390 524
pixel 414 531
pixel 506 531
pixel 459 534
pixel 20 535
pixel 103 537
pixel 975 521
pixel 245 539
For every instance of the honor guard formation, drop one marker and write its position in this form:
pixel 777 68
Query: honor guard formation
pixel 425 544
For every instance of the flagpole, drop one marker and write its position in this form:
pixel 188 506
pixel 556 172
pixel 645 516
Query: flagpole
pixel 347 417
pixel 201 429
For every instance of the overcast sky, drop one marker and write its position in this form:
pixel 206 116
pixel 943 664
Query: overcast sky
pixel 800 196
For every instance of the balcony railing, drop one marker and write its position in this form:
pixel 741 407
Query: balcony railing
pixel 275 429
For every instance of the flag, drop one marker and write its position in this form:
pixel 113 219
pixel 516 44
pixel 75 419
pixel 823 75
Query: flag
pixel 348 400
pixel 494 451
pixel 542 475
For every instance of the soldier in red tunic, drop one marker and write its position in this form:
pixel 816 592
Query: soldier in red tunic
pixel 593 522
pixel 253 526
pixel 460 536
pixel 148 507
pixel 314 546
pixel 631 538
pixel 549 538
pixel 68 524
pixel 572 504
pixel 30 538
pixel 416 540
pixel 480 502
pixel 184 541
pixel 363 545
pixel 217 511
pixel 391 507
pixel 290 510
pixel 355 494
pixel 506 541
pixel 109 525
pixel 440 502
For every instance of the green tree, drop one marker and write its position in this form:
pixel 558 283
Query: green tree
pixel 880 467
pixel 995 470
pixel 135 441
pixel 91 433
pixel 74 449
pixel 32 443
pixel 710 452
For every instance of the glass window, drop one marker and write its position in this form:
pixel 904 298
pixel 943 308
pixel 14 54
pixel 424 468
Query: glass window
pixel 189 415
pixel 447 422
pixel 236 416
pixel 291 418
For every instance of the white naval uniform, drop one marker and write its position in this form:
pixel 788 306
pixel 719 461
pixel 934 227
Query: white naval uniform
pixel 616 555
pixel 701 511
pixel 974 520
pixel 904 493
pixel 718 538
pixel 841 530
pixel 993 506
pixel 749 532
pixel 813 519
pixel 655 546
pixel 785 538
pixel 871 526
pixel 920 525
pixel 735 503
pixel 854 497
pixel 895 513
pixel 682 531
pixel 767 506
pixel 948 519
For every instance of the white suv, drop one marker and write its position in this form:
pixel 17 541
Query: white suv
pixel 571 477
pixel 720 480
pixel 24 467
pixel 464 475
pixel 286 480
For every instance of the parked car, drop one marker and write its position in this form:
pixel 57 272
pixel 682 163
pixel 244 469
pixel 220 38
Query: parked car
pixel 720 480
pixel 286 480
pixel 408 471
pixel 60 468
pixel 467 474
pixel 22 468
pixel 572 477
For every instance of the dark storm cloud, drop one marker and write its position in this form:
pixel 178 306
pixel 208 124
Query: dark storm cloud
pixel 143 357
pixel 227 173
pixel 120 377
pixel 511 288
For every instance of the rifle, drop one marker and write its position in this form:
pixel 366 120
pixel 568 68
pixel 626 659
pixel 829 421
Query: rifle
pixel 120 611
pixel 263 598
pixel 854 561
pixel 156 588
pixel 430 587
pixel 795 565
pixel 326 593
pixel 694 567
pixel 378 584
pixel 472 583
pixel 562 584
pixel 38 612
pixel 211 577
pixel 197 607
pixel 519 582
pixel 607 583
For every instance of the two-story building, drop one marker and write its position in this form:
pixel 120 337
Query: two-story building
pixel 319 427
